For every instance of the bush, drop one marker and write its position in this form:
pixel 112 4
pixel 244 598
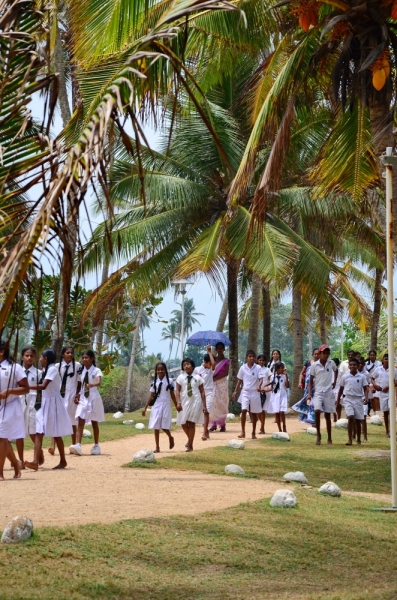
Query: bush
pixel 113 388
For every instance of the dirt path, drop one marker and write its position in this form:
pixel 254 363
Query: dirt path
pixel 95 489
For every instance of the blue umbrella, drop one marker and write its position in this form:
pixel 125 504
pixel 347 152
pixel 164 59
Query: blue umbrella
pixel 203 338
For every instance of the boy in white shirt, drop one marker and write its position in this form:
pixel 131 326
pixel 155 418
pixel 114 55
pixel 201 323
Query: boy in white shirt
pixel 206 372
pixel 362 369
pixel 323 375
pixel 250 398
pixel 380 382
pixel 352 386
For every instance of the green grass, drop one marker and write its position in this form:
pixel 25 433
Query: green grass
pixel 271 459
pixel 325 549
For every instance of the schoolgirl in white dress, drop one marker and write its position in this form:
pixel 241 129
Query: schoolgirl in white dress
pixel 69 371
pixel 206 372
pixel 264 380
pixel 278 404
pixel 190 397
pixel 89 403
pixel 13 383
pixel 51 419
pixel 28 401
pixel 161 394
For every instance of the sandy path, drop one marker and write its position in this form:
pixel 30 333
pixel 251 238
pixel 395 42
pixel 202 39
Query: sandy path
pixel 96 489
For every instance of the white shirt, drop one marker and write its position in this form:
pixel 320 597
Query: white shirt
pixel 344 366
pixel 94 375
pixel 164 394
pixel 249 377
pixel 195 382
pixel 54 386
pixel 10 375
pixel 265 374
pixel 207 375
pixel 353 385
pixel 323 375
pixel 283 379
pixel 71 381
pixel 372 366
pixel 33 378
pixel 381 377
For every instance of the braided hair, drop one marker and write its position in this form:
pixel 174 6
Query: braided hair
pixel 73 361
pixel 170 386
pixel 49 354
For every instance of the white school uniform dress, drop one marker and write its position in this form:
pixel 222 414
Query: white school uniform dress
pixel 353 390
pixel 52 418
pixel 90 408
pixel 324 398
pixel 207 375
pixel 192 406
pixel 161 414
pixel 265 374
pixel 250 398
pixel 12 424
pixel 72 380
pixel 278 400
pixel 371 367
pixel 381 377
pixel 28 402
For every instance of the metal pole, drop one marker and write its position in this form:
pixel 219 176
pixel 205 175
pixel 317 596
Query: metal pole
pixel 341 337
pixel 390 324
pixel 183 292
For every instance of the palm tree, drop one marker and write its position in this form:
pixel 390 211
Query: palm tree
pixel 189 316
pixel 170 333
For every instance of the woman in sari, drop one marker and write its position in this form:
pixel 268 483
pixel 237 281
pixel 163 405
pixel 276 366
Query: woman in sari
pixel 221 402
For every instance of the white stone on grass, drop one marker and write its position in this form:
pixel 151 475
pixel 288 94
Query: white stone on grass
pixel 281 435
pixel 17 530
pixel 139 426
pixel 297 476
pixel 236 444
pixel 231 417
pixel 128 422
pixel 173 421
pixel 330 488
pixel 283 499
pixel 341 423
pixel 118 415
pixel 311 430
pixel 234 469
pixel 144 456
pixel 376 420
pixel 87 433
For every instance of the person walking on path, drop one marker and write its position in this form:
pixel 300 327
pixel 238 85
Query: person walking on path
pixel 206 372
pixel 250 398
pixel 323 375
pixel 221 392
pixel 190 399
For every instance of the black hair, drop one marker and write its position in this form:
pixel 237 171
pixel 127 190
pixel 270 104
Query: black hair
pixel 220 344
pixel 250 352
pixel 5 346
pixel 170 386
pixel 386 356
pixel 49 354
pixel 278 365
pixel 336 361
pixel 314 349
pixel 370 352
pixel 353 359
pixel 28 349
pixel 188 360
pixel 206 358
pixel 361 361
pixel 269 364
pixel 91 354
pixel 73 361
pixel 261 356
pixel 276 350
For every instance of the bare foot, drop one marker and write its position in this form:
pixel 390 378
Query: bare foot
pixel 365 441
pixel 204 437
pixel 157 450
pixel 172 443
pixel 41 458
pixel 61 465
pixel 358 443
pixel 349 444
pixel 261 432
pixel 21 465
pixel 31 465
pixel 242 435
pixel 189 449
pixel 329 442
pixel 51 451
pixel 2 478
pixel 254 436
pixel 187 445
pixel 17 474
pixel 284 429
pixel 318 440
pixel 388 435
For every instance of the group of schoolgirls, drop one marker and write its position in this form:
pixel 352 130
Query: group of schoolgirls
pixel 264 389
pixel 54 401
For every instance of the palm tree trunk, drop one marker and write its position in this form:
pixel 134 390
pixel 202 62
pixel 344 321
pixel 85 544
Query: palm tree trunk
pixel 101 321
pixel 323 327
pixel 252 343
pixel 377 307
pixel 222 315
pixel 128 391
pixel 232 297
pixel 298 344
pixel 266 308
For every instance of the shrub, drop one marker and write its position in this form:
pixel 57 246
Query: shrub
pixel 113 388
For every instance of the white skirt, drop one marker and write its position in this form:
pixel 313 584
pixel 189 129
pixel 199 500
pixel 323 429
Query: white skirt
pixel 29 416
pixel 192 410
pixel 12 424
pixel 70 406
pixel 278 403
pixel 52 419
pixel 161 415
pixel 90 409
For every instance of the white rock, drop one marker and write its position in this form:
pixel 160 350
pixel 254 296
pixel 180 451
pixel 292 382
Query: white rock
pixel 17 530
pixel 341 423
pixel 234 469
pixel 139 426
pixel 281 435
pixel 236 444
pixel 118 415
pixel 296 476
pixel 87 433
pixel 129 422
pixel 311 430
pixel 173 421
pixel 284 499
pixel 330 488
pixel 376 420
pixel 231 417
pixel 144 456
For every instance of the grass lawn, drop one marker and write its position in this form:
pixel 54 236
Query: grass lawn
pixel 270 459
